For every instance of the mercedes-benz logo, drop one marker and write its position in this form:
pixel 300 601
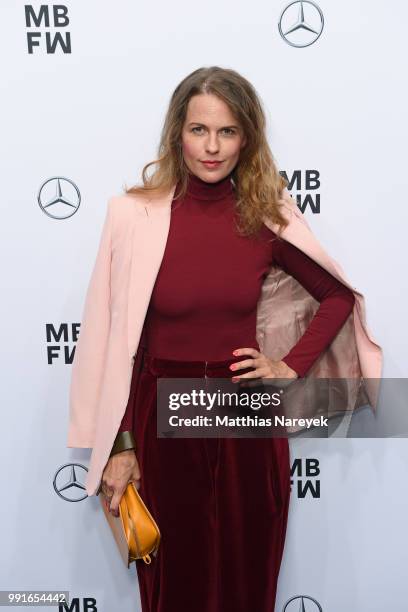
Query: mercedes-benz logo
pixel 299 27
pixel 302 603
pixel 59 197
pixel 67 484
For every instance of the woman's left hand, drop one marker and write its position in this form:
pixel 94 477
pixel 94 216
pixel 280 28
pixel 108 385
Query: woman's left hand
pixel 264 367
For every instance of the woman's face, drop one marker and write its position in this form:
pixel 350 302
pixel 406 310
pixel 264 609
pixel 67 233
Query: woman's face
pixel 211 133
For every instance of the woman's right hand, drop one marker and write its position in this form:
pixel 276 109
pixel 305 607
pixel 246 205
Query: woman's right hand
pixel 121 468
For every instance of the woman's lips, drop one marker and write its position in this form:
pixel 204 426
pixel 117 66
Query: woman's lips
pixel 213 164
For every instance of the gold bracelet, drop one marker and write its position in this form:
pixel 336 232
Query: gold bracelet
pixel 124 441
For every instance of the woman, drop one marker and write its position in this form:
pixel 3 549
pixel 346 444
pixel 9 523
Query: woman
pixel 209 251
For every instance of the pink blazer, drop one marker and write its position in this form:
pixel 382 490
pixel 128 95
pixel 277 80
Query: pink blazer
pixel 129 256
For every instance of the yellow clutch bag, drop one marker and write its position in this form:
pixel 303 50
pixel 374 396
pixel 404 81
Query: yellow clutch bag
pixel 135 531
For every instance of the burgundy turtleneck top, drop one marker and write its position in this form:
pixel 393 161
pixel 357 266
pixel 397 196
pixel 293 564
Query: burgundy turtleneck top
pixel 204 301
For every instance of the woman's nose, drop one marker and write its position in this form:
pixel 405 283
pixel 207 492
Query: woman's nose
pixel 212 145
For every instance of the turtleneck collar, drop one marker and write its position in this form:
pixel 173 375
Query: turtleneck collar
pixel 203 190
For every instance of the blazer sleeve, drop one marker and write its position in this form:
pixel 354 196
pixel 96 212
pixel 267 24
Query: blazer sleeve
pixel 90 352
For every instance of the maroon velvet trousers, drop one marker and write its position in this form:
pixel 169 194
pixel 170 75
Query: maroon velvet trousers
pixel 221 505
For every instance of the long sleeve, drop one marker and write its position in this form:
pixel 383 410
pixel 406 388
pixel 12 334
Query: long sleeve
pixel 336 304
pixel 128 422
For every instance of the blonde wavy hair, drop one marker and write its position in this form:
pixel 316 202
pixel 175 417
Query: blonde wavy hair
pixel 257 181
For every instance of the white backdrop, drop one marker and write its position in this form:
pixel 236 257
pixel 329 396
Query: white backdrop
pixel 93 115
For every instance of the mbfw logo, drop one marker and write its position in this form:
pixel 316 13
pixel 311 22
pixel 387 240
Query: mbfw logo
pixel 301 23
pixel 307 181
pixel 69 481
pixel 59 197
pixel 304 477
pixel 302 603
pixel 44 16
pixel 59 340
pixel 88 605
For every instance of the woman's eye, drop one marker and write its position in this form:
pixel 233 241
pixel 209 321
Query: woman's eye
pixel 196 128
pixel 229 130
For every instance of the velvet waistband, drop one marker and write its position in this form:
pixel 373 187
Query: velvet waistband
pixel 195 368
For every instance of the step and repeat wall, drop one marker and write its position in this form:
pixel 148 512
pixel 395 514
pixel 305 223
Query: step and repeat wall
pixel 85 89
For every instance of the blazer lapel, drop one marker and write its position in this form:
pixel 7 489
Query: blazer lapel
pixel 149 237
